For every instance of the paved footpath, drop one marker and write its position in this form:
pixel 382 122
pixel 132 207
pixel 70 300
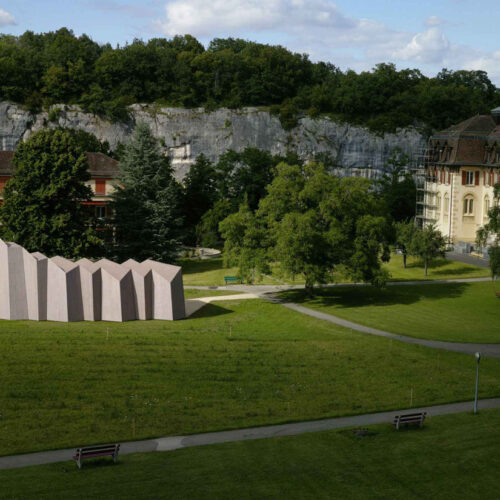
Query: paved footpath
pixel 293 429
pixel 491 350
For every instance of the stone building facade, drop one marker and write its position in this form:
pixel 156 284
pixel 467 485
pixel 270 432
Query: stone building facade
pixel 463 165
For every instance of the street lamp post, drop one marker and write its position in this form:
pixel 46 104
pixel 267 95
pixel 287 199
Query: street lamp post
pixel 478 359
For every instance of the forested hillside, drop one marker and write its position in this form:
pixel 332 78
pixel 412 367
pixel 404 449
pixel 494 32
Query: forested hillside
pixel 38 70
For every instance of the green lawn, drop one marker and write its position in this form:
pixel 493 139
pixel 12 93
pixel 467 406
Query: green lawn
pixel 455 312
pixel 210 272
pixel 438 270
pixel 234 364
pixel 453 456
pixel 194 294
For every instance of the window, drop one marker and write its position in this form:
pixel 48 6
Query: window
pixel 469 178
pixel 469 205
pixel 438 205
pixel 446 204
pixel 486 205
pixel 100 212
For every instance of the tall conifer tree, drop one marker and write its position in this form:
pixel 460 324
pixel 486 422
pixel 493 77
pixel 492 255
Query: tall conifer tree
pixel 146 202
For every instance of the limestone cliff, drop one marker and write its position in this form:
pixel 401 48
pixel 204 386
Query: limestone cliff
pixel 185 133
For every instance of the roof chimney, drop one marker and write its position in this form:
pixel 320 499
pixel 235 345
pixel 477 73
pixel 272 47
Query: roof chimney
pixel 495 113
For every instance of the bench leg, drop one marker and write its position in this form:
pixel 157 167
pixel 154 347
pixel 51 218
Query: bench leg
pixel 397 424
pixel 115 456
pixel 79 462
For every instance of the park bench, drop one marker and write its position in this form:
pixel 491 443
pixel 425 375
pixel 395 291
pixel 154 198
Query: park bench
pixel 102 450
pixel 231 279
pixel 409 418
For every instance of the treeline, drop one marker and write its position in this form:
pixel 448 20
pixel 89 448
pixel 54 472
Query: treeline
pixel 38 70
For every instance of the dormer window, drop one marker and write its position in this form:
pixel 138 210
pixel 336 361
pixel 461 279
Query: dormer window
pixel 486 154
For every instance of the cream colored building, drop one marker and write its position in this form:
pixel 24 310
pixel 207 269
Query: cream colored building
pixel 463 165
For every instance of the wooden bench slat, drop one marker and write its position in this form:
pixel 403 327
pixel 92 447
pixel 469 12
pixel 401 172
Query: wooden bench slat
pixel 409 418
pixel 96 451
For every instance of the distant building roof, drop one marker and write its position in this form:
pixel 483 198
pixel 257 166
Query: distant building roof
pixel 468 139
pixel 480 125
pixel 100 165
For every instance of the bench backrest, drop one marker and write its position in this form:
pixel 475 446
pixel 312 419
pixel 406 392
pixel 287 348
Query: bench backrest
pixel 103 448
pixel 410 416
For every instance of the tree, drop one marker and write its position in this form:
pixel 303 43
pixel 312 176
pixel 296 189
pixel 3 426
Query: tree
pixel 146 202
pixel 398 187
pixel 42 208
pixel 311 221
pixel 404 235
pixel 428 243
pixel 207 231
pixel 244 243
pixel 199 194
pixel 490 234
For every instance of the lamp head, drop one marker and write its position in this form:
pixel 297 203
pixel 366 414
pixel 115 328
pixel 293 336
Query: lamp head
pixel 478 356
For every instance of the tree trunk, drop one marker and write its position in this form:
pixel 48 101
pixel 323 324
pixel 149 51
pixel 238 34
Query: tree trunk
pixel 425 267
pixel 309 287
pixel 404 260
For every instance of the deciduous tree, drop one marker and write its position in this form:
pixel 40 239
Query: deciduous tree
pixel 42 208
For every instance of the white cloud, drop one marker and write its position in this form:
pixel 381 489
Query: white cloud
pixel 6 18
pixel 433 21
pixel 202 18
pixel 431 46
pixel 486 62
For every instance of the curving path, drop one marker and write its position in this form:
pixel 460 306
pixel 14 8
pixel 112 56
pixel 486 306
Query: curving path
pixel 491 350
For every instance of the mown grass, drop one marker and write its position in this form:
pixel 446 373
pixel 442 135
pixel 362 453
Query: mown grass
pixel 453 456
pixel 439 269
pixel 195 294
pixel 454 312
pixel 210 272
pixel 235 364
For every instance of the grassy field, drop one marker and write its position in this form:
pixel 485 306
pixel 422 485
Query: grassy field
pixel 454 456
pixel 235 364
pixel 456 312
pixel 211 273
pixel 438 270
pixel 194 294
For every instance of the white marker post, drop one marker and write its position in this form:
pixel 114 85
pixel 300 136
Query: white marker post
pixel 478 359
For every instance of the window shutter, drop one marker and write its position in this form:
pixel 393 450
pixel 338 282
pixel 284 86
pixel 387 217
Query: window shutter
pixel 464 177
pixel 100 186
pixel 477 178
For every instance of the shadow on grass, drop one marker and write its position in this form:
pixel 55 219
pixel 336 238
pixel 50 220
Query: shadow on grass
pixel 359 296
pixel 210 310
pixel 200 266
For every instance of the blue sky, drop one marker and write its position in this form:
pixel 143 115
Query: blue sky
pixel 425 34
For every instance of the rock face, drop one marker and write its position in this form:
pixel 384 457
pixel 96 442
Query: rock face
pixel 186 133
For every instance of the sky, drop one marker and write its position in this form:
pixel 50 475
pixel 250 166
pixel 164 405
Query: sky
pixel 352 34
